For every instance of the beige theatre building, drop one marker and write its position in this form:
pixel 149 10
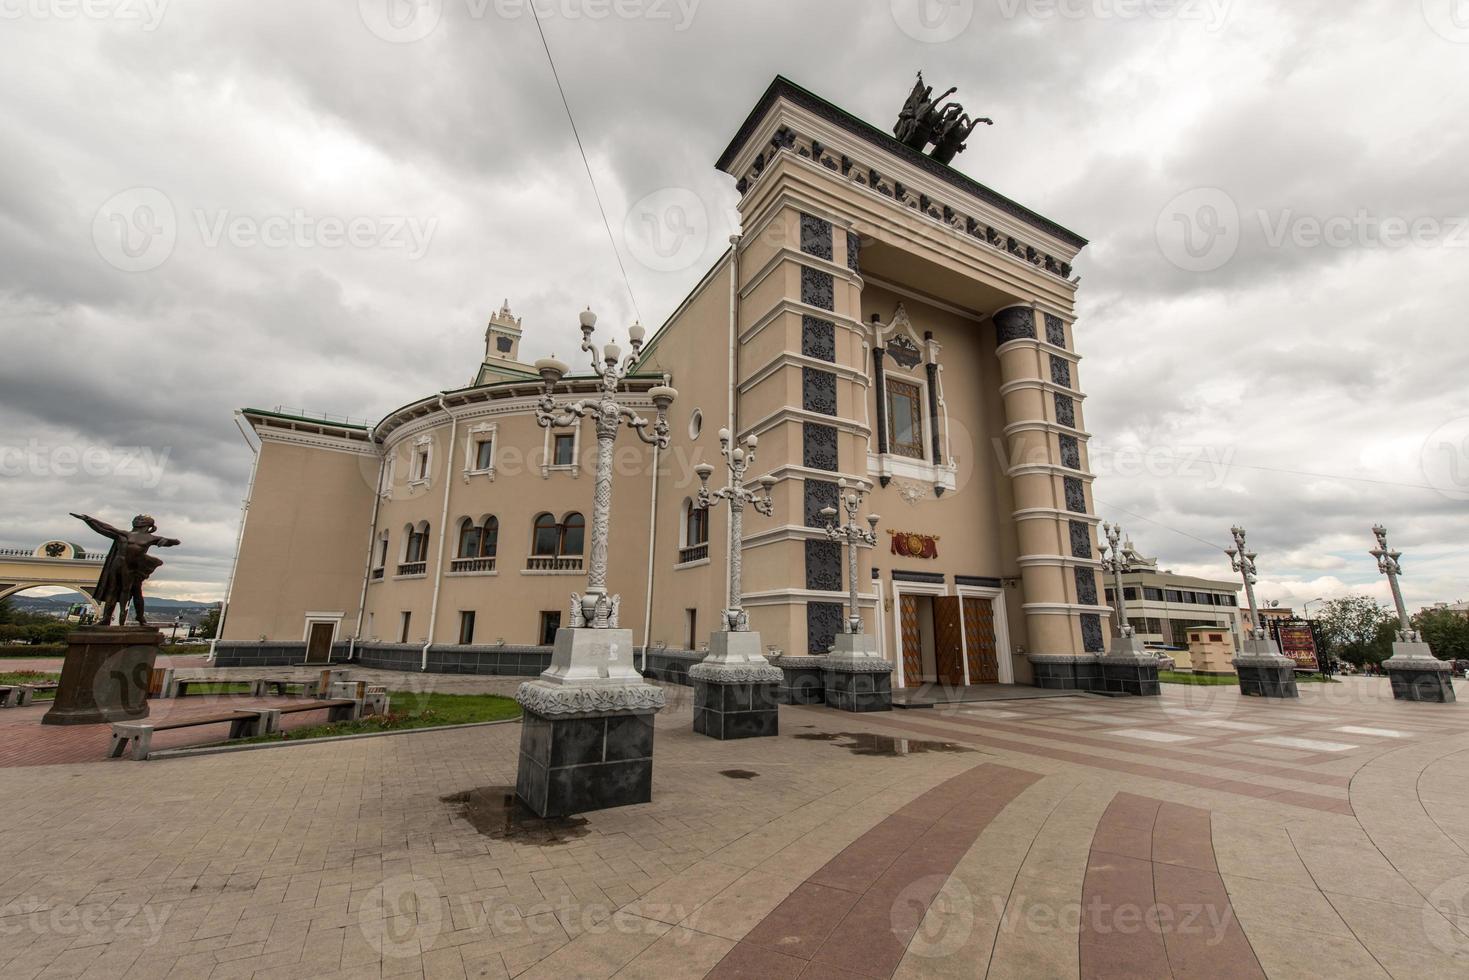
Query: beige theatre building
pixel 882 318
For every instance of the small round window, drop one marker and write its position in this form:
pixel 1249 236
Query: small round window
pixel 696 424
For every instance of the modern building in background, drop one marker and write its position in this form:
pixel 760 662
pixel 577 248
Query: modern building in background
pixel 882 318
pixel 1162 606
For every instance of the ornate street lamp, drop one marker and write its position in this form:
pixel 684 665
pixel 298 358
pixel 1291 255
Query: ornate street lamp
pixel 1126 669
pixel 1261 668
pixel 587 731
pixel 853 534
pixel 1416 674
pixel 736 690
pixel 856 678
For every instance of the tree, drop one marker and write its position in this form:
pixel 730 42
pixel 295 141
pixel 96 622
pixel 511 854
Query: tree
pixel 209 624
pixel 1446 632
pixel 7 611
pixel 1357 629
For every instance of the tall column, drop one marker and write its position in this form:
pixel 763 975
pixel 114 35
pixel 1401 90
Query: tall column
pixel 1052 507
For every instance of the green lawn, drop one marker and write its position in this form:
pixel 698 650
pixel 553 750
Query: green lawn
pixel 26 677
pixel 1213 680
pixel 411 710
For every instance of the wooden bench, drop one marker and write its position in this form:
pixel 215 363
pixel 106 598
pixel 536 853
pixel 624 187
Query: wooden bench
pixel 337 709
pixel 243 724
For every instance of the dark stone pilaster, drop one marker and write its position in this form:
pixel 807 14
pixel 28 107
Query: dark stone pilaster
pixel 1422 685
pixel 572 765
pixel 741 710
pixel 1267 680
pixel 859 691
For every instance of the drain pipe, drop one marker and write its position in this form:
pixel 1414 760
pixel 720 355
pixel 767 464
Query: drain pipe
pixel 377 502
pixel 433 609
pixel 229 587
pixel 652 540
pixel 734 353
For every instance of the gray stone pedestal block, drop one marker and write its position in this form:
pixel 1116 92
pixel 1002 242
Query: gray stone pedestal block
pixel 1135 674
pixel 1416 675
pixel 735 689
pixel 1264 673
pixel 586 739
pixel 105 676
pixel 803 680
pixel 1061 672
pixel 855 678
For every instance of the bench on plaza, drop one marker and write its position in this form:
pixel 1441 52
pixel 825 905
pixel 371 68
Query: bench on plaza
pixel 20 695
pixel 338 709
pixel 283 687
pixel 243 724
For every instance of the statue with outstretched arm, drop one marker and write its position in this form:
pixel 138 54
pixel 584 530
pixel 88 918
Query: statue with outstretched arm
pixel 127 567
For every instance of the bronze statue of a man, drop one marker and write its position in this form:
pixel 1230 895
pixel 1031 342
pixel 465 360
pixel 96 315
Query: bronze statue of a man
pixel 127 566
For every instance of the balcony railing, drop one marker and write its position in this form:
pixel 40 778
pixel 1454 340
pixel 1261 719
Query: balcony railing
pixel 472 564
pixel 696 552
pixel 413 568
pixel 377 573
pixel 553 563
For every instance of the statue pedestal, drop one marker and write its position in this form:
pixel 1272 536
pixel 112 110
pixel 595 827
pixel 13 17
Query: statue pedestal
pixel 586 739
pixel 855 677
pixel 105 676
pixel 1264 673
pixel 1417 675
pixel 1127 669
pixel 803 679
pixel 735 689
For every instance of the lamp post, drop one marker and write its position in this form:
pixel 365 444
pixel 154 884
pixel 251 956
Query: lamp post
pixel 1416 674
pixel 738 461
pixel 1306 606
pixel 851 533
pixel 1115 562
pixel 1126 669
pixel 736 690
pixel 1261 668
pixel 587 731
pixel 855 677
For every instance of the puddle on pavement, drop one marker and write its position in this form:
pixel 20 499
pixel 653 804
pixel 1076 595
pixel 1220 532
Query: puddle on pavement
pixel 738 773
pixel 867 743
pixel 496 813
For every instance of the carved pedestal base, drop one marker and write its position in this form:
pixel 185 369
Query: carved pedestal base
pixel 1265 673
pixel 1062 672
pixel 105 676
pixel 586 741
pixel 735 689
pixel 803 680
pixel 1416 675
pixel 856 678
pixel 1135 674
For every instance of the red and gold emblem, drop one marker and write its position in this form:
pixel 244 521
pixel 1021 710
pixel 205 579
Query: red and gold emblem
pixel 907 544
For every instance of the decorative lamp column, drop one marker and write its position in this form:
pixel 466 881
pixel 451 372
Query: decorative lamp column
pixel 735 686
pixel 856 677
pixel 586 739
pixel 1261 669
pixel 1126 668
pixel 1416 674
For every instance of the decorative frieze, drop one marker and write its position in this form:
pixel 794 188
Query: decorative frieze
pixel 818 338
pixel 1070 452
pixel 818 288
pixel 823 623
pixel 1014 323
pixel 1075 495
pixel 1065 409
pixel 559 700
pixel 1060 371
pixel 818 391
pixel 823 566
pixel 819 448
pixel 1081 539
pixel 1055 330
pixel 816 236
pixel 903 351
pixel 819 494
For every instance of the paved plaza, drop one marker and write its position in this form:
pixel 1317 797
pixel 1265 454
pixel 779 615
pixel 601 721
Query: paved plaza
pixel 1197 834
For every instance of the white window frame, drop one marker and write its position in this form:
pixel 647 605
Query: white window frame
pixel 548 445
pixel 422 449
pixel 477 434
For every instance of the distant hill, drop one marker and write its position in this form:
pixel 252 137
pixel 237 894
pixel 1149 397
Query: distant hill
pixel 161 609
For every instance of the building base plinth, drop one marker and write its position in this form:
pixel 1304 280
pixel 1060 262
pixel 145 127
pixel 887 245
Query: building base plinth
pixel 586 738
pixel 1417 675
pixel 1264 673
pixel 1127 670
pixel 803 680
pixel 105 676
pixel 1060 672
pixel 735 689
pixel 855 677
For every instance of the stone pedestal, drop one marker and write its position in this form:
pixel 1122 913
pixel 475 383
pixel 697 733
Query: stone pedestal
pixel 105 676
pixel 586 739
pixel 735 689
pixel 855 677
pixel 803 680
pixel 1265 673
pixel 1062 672
pixel 1126 669
pixel 1417 675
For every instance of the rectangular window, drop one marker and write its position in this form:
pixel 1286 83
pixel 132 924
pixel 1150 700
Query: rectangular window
pixel 905 418
pixel 1173 595
pixel 484 454
pixel 403 632
pixel 1150 593
pixel 1129 592
pixel 420 465
pixel 691 621
pixel 550 623
pixel 565 449
pixel 466 627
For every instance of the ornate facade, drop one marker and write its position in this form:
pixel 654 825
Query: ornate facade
pixel 887 319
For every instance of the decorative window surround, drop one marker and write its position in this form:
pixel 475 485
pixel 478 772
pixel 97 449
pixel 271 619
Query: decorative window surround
pixel 477 434
pixel 889 467
pixel 547 467
pixel 421 474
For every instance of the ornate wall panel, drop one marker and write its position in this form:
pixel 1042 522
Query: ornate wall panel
pixel 824 566
pixel 817 288
pixel 1014 323
pixel 819 450
pixel 818 391
pixel 823 623
pixel 818 338
pixel 819 494
pixel 815 236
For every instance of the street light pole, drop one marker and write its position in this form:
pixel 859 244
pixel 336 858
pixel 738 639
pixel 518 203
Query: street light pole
pixel 1261 668
pixel 855 677
pixel 852 534
pixel 1417 675
pixel 738 460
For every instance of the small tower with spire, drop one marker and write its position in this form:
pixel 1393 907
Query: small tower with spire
pixel 502 335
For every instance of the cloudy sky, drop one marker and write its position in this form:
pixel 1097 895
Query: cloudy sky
pixel 208 204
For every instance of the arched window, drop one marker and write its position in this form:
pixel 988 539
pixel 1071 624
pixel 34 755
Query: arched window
pixel 696 523
pixel 545 536
pixel 382 549
pixel 573 531
pixel 418 543
pixel 489 538
pixel 469 539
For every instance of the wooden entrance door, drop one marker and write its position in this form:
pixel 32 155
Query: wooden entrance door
pixel 948 654
pixel 979 639
pixel 912 640
pixel 319 643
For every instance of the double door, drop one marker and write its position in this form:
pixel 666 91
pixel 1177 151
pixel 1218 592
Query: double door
pixel 939 632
